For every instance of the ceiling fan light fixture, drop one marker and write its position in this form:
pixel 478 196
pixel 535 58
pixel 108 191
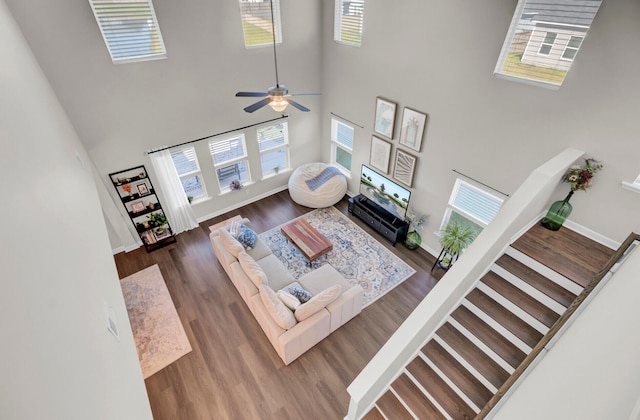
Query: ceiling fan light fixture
pixel 278 104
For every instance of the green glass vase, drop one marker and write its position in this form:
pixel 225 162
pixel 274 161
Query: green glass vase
pixel 558 213
pixel 413 240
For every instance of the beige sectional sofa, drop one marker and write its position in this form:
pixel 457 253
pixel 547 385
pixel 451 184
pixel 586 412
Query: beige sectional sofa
pixel 258 275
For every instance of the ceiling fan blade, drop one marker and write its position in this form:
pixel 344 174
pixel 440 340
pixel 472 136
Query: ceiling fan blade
pixel 252 94
pixel 302 94
pixel 297 105
pixel 258 105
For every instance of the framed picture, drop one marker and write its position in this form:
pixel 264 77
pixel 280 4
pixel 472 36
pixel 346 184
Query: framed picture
pixel 385 117
pixel 412 128
pixel 142 188
pixel 404 167
pixel 380 154
pixel 137 207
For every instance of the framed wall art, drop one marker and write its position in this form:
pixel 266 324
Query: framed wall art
pixel 142 189
pixel 385 118
pixel 404 167
pixel 412 128
pixel 380 154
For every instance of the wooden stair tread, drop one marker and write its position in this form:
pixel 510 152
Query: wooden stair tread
pixel 521 299
pixel 373 414
pixel 494 340
pixel 392 408
pixel 446 397
pixel 505 317
pixel 458 374
pixel 487 367
pixel 413 397
pixel 569 253
pixel 536 280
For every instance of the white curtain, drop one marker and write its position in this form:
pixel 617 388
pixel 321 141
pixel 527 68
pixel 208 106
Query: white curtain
pixel 176 205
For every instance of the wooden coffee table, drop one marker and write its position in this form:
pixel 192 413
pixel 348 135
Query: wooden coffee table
pixel 311 243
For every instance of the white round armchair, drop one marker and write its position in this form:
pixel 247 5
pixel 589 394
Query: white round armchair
pixel 328 192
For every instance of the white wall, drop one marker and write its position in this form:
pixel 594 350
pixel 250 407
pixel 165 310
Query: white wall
pixel 594 365
pixel 58 359
pixel 120 111
pixel 439 57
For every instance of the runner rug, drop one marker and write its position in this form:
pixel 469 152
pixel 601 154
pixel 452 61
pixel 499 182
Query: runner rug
pixel 356 254
pixel 157 330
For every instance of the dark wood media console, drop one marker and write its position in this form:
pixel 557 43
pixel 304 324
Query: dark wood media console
pixel 381 220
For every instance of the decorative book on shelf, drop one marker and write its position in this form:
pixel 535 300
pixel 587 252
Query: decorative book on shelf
pixel 143 207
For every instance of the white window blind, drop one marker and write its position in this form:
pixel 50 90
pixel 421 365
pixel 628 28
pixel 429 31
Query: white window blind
pixel 273 143
pixel 543 40
pixel 348 22
pixel 186 164
pixel 130 29
pixel 230 160
pixel 474 202
pixel 342 137
pixel 255 16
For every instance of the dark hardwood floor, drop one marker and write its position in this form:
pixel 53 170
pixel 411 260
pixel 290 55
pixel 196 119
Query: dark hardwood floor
pixel 233 371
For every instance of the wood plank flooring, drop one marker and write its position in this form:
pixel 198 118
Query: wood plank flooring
pixel 233 371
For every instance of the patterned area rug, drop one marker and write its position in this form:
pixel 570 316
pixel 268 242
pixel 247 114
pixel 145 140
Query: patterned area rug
pixel 356 254
pixel 157 330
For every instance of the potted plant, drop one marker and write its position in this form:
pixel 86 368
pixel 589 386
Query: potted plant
pixel 454 238
pixel 416 221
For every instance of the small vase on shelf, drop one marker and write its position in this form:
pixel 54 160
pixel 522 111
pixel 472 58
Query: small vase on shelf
pixel 558 213
pixel 413 240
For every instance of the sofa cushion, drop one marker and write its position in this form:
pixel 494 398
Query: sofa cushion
pixel 230 243
pixel 288 299
pixel 278 311
pixel 302 295
pixel 318 302
pixel 252 269
pixel 234 228
pixel 276 272
pixel 247 237
pixel 317 280
pixel 259 251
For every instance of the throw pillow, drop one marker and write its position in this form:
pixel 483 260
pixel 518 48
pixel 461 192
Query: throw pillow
pixel 278 311
pixel 318 302
pixel 302 295
pixel 247 237
pixel 252 269
pixel 234 228
pixel 230 243
pixel 289 300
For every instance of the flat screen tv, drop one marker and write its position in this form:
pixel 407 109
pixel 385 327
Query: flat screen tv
pixel 384 192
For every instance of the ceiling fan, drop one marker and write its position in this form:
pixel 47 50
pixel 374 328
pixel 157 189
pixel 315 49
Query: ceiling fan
pixel 278 96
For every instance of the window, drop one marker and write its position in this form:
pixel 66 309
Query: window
pixel 256 22
pixel 130 29
pixel 186 164
pixel 543 40
pixel 341 144
pixel 471 206
pixel 347 25
pixel 547 43
pixel 230 161
pixel 572 47
pixel 273 142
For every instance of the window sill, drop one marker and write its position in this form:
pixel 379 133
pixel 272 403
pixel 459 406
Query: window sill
pixel 200 200
pixel 631 186
pixel 273 174
pixel 229 190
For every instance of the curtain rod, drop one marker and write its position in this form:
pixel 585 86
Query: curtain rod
pixel 481 183
pixel 346 120
pixel 148 152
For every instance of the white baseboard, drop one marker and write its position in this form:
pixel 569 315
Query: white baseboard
pixel 593 235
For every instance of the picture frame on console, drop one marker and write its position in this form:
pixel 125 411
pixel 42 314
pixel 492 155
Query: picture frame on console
pixel 404 167
pixel 137 207
pixel 385 117
pixel 412 128
pixel 380 154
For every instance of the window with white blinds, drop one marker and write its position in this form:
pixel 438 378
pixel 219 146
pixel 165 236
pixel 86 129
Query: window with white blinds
pixel 348 21
pixel 255 16
pixel 544 39
pixel 130 29
pixel 188 169
pixel 342 136
pixel 471 206
pixel 273 143
pixel 230 160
